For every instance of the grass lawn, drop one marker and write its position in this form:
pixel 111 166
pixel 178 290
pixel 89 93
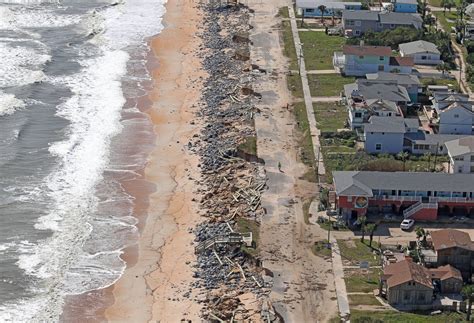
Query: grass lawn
pixel 329 116
pixel 430 81
pixel 401 317
pixel 361 299
pixel 283 12
pixel 305 142
pixel 447 21
pixel 247 225
pixel 321 249
pixel 319 49
pixel 294 85
pixel 288 45
pixel 355 251
pixel 356 281
pixel 327 84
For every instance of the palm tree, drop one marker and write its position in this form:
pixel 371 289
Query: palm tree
pixel 420 232
pixel 370 228
pixel 362 220
pixel 403 155
pixel 323 10
pixel 468 292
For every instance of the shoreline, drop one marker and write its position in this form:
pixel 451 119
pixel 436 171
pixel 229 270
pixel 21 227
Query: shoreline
pixel 150 288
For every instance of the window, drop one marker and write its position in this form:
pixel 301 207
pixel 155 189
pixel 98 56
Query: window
pixel 459 169
pixel 406 295
pixel 350 22
pixel 381 68
pixel 361 57
pixel 472 158
pixel 378 146
pixel 392 25
pixel 357 32
pixel 357 23
pixel 358 115
pixel 381 58
pixel 472 169
pixel 456 115
pixel 309 10
pixel 390 114
pixel 423 57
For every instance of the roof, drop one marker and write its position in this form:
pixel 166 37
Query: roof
pixel 370 89
pixel 360 15
pixel 367 50
pixel 440 96
pixel 455 105
pixel 461 146
pixel 385 124
pixel 407 1
pixel 401 79
pixel 400 18
pixel 419 46
pixel 422 138
pixel 445 272
pixel 382 105
pixel 412 122
pixel 402 61
pixel 410 181
pixel 449 238
pixel 406 271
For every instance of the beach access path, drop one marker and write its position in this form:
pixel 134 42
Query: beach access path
pixel 303 289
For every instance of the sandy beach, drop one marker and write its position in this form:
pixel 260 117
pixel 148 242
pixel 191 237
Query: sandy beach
pixel 152 286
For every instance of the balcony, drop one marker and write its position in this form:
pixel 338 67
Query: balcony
pixel 451 199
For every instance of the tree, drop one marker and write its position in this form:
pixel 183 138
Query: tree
pixel 370 228
pixel 421 234
pixel 323 10
pixel 443 68
pixel 403 155
pixel 447 4
pixel 362 220
pixel 468 293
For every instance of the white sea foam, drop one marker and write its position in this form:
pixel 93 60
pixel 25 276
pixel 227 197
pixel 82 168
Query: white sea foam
pixel 9 103
pixel 19 17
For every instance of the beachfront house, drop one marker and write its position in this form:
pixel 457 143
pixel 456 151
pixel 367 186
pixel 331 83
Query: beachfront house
pixel 422 52
pixel 366 98
pixel 356 23
pixel 461 155
pixel 361 60
pixel 408 81
pixel 311 8
pixel 452 113
pixel 420 142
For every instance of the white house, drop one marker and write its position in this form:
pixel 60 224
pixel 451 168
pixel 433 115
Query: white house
pixel 453 113
pixel 461 155
pixel 384 135
pixel 422 52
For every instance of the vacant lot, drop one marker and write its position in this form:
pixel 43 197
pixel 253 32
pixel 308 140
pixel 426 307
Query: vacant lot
pixel 319 49
pixel 330 116
pixel 355 251
pixel 327 84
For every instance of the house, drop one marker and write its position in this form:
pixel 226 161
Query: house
pixel 366 98
pixel 461 155
pixel 406 6
pixel 386 135
pixel 416 195
pixel 446 279
pixel 407 284
pixel 360 60
pixel 357 22
pixel 422 52
pixel 455 248
pixel 452 113
pixel 420 142
pixel 310 8
pixel 410 82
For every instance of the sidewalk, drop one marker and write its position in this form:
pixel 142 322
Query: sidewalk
pixel 313 129
pixel 338 270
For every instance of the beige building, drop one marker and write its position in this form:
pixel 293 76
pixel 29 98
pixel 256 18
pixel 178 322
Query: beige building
pixel 461 155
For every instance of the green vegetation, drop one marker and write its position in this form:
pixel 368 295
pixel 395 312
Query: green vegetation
pixel 358 282
pixel 430 81
pixel 247 225
pixel 327 84
pixel 283 12
pixel 403 317
pixel 363 299
pixel 447 21
pixel 288 45
pixel 249 146
pixel 294 85
pixel 355 251
pixel 320 248
pixel 319 49
pixel 305 142
pixel 329 116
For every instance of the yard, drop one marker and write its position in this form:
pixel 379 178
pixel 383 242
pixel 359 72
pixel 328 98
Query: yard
pixel 330 116
pixel 320 248
pixel 431 81
pixel 319 49
pixel 447 21
pixel 359 282
pixel 403 317
pixel 328 84
pixel 288 45
pixel 305 142
pixel 355 251
pixel 363 299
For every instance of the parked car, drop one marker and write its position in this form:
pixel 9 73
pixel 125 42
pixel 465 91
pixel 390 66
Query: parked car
pixel 407 224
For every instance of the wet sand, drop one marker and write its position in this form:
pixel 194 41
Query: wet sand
pixel 158 275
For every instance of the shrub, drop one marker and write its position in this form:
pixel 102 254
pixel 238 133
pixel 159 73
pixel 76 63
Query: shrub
pixel 469 46
pixel 470 58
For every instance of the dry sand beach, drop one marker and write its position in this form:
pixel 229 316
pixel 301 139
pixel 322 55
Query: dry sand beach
pixel 152 286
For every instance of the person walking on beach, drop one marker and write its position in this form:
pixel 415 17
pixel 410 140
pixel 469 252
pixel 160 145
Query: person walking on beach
pixel 279 166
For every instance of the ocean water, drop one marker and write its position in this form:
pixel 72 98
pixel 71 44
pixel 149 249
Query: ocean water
pixel 71 133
